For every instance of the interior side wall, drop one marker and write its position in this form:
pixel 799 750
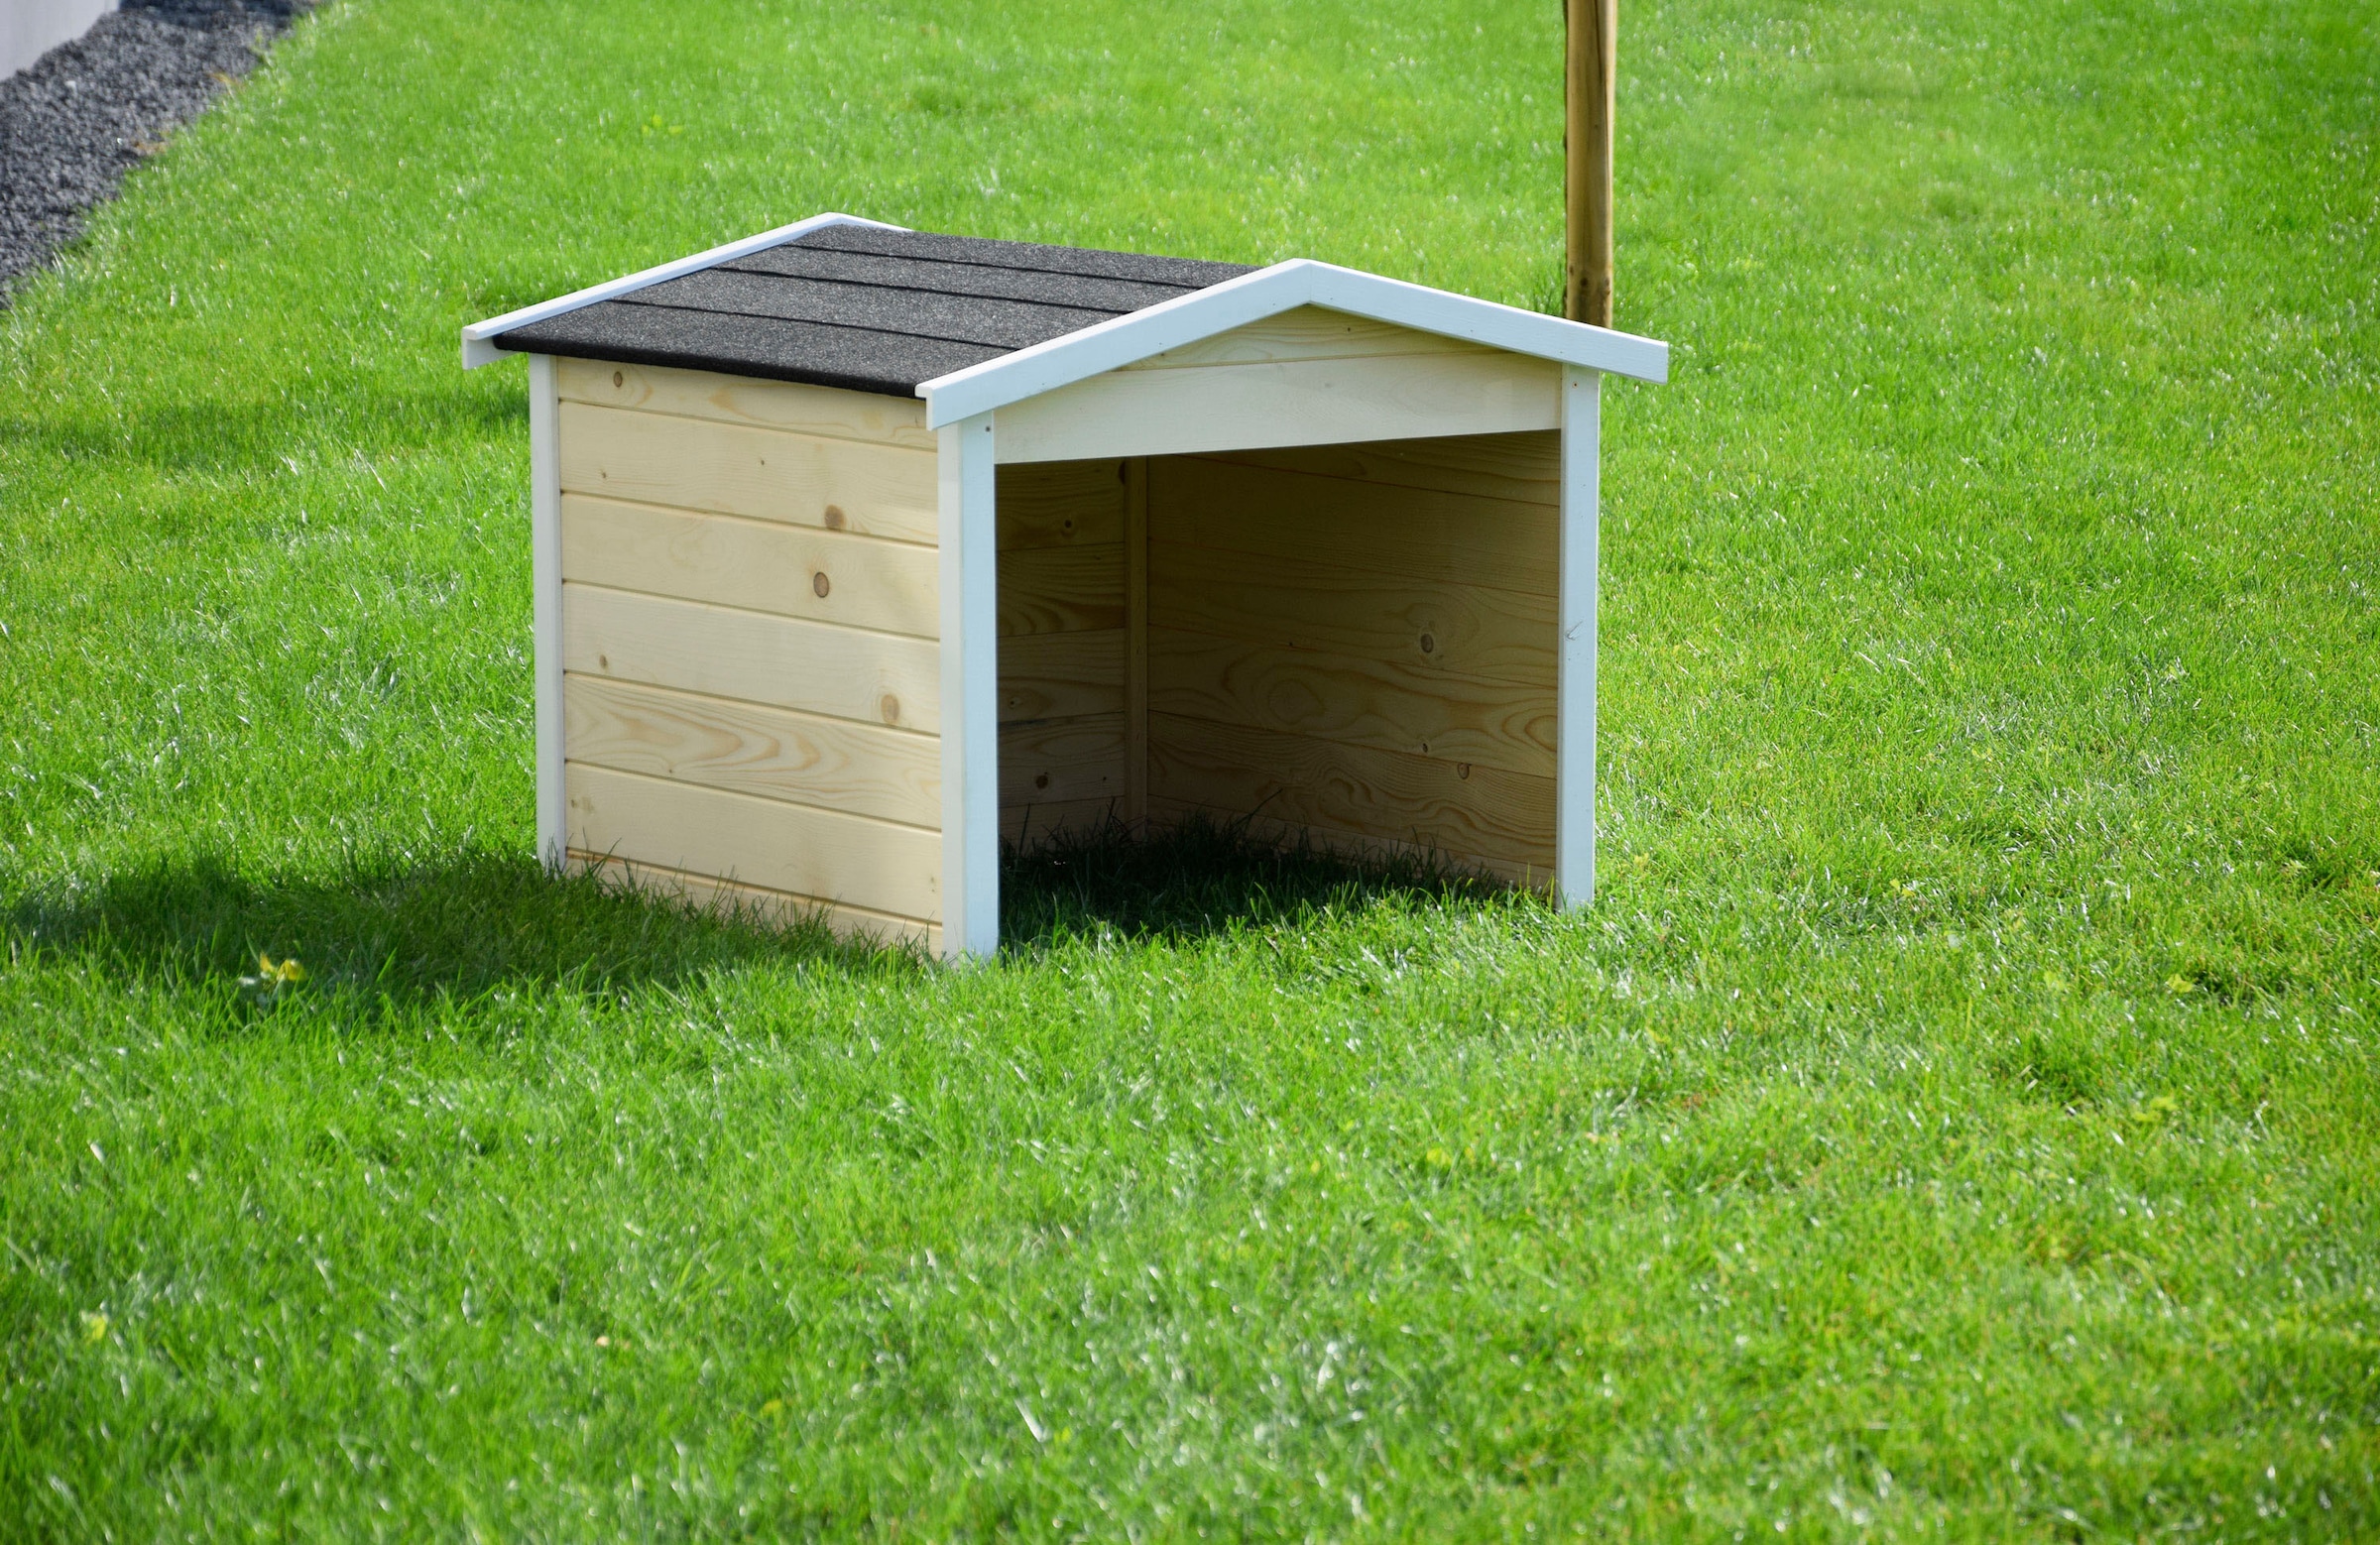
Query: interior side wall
pixel 749 618
pixel 1061 646
pixel 1359 640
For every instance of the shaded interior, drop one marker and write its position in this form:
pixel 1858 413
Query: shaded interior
pixel 1352 641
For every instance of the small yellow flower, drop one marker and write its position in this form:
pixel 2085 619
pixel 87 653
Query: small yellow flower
pixel 2178 983
pixel 288 971
pixel 94 1325
pixel 772 1407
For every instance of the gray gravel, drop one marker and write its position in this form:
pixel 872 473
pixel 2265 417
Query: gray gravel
pixel 88 111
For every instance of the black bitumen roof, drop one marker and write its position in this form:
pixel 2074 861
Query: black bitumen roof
pixel 867 308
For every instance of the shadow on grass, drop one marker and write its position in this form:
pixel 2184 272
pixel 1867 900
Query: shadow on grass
pixel 398 933
pixel 230 437
pixel 1204 878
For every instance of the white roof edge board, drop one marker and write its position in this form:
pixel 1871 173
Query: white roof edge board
pixel 1268 291
pixel 479 346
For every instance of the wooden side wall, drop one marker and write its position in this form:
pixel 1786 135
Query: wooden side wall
pixel 1359 640
pixel 1062 646
pixel 751 681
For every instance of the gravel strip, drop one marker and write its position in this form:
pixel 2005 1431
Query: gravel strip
pixel 88 111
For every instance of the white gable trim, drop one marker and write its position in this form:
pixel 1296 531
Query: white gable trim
pixel 479 347
pixel 1252 298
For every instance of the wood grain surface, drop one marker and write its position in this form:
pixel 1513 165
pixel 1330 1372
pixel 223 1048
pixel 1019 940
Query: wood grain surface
pixel 1477 812
pixel 1358 702
pixel 1427 627
pixel 851 860
pixel 1048 760
pixel 1293 519
pixel 1301 402
pixel 765 405
pixel 1524 466
pixel 1307 332
pixel 876 490
pixel 1055 675
pixel 1059 504
pixel 748 749
pixel 759 565
pixel 723 652
pixel 773 908
pixel 1073 589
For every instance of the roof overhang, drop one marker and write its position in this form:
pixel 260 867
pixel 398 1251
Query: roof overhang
pixel 1268 291
pixel 479 339
pixel 1169 325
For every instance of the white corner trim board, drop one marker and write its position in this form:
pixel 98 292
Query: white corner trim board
pixel 479 346
pixel 546 589
pixel 966 523
pixel 1574 678
pixel 1250 297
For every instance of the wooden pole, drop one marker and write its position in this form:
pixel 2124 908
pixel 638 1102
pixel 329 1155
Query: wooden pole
pixel 1590 65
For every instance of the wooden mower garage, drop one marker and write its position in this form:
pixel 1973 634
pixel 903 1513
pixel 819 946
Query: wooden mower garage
pixel 859 549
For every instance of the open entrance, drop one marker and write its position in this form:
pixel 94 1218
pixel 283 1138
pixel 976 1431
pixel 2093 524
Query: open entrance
pixel 1355 642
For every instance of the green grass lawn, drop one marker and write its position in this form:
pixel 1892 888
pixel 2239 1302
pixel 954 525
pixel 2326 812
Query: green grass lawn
pixel 1958 1118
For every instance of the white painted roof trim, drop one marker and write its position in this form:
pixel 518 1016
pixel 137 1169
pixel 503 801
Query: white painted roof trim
pixel 1268 291
pixel 479 347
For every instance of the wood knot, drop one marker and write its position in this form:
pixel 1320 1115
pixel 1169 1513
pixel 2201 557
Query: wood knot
pixel 890 707
pixel 1040 781
pixel 818 584
pixel 618 379
pixel 1429 643
pixel 836 519
pixel 1463 770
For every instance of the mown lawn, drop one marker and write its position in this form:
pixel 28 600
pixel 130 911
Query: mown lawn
pixel 1958 1118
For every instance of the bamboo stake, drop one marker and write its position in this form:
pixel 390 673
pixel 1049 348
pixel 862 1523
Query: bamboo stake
pixel 1591 67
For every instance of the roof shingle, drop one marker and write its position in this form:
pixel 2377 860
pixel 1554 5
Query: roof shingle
pixel 868 308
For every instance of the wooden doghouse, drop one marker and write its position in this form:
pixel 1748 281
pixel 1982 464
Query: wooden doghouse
pixel 858 548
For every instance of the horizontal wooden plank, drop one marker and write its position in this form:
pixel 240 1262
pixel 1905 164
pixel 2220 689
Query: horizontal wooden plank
pixel 769 474
pixel 720 652
pixel 771 753
pixel 831 577
pixel 1475 814
pixel 1357 847
pixel 1209 407
pixel 1045 759
pixel 1297 517
pixel 773 909
pixel 850 860
pixel 1307 332
pixel 1061 589
pixel 1432 629
pixel 759 566
pixel 765 405
pixel 1525 466
pixel 1359 703
pixel 1031 824
pixel 1060 503
pixel 1059 675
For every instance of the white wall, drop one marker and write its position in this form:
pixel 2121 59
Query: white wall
pixel 29 29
